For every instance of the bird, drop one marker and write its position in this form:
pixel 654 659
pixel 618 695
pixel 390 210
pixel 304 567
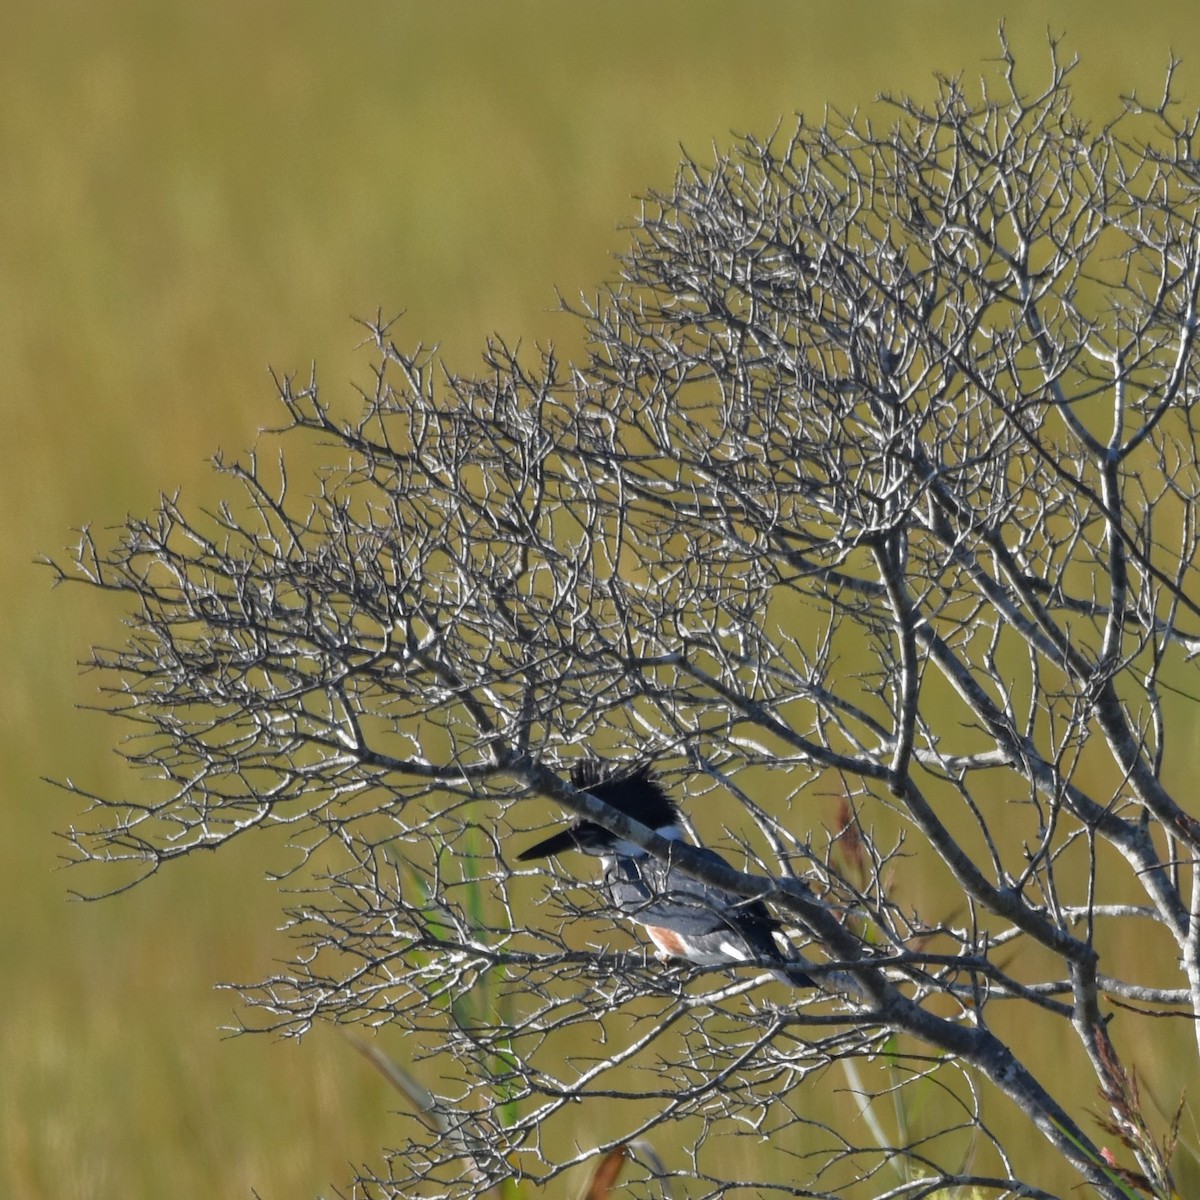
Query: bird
pixel 684 918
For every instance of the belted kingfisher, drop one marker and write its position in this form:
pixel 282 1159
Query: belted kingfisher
pixel 684 917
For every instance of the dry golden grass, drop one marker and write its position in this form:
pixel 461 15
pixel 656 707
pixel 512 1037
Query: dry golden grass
pixel 194 191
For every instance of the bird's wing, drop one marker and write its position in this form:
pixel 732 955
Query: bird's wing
pixel 646 890
pixel 653 892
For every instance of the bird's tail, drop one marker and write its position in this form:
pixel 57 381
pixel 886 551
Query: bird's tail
pixel 794 976
pixel 786 963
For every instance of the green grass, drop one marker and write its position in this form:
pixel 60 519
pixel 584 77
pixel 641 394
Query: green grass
pixel 195 191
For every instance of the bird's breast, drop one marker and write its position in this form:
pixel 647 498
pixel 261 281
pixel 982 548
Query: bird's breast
pixel 667 941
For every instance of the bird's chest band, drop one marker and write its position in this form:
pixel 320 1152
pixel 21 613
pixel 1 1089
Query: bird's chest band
pixel 667 941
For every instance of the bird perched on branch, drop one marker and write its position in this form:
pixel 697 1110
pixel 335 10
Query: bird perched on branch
pixel 684 917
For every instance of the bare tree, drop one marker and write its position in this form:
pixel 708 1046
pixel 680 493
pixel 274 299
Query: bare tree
pixel 879 484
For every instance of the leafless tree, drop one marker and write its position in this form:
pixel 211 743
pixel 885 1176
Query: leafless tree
pixel 871 520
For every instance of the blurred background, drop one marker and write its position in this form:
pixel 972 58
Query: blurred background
pixel 194 192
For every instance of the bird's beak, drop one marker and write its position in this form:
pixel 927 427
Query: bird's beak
pixel 556 843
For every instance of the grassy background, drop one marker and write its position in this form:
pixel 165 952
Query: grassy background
pixel 192 192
